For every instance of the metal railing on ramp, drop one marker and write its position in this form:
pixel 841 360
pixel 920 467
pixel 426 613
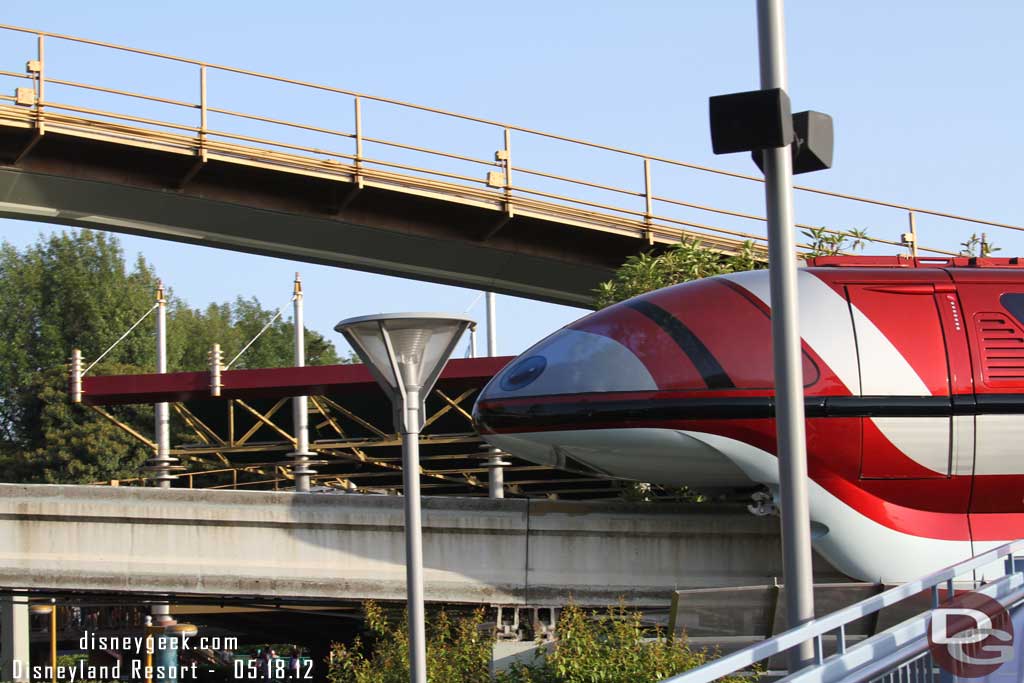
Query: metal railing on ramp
pixel 900 653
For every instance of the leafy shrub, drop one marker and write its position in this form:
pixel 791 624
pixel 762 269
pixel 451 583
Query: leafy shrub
pixel 457 650
pixel 688 260
pixel 609 647
pixel 978 246
pixel 825 242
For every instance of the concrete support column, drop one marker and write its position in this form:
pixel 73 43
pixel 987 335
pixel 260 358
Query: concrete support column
pixel 14 638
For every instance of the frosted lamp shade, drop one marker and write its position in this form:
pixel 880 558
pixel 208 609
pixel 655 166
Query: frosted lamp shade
pixel 405 350
pixel 367 341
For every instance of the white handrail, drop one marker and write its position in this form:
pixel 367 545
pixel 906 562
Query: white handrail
pixel 749 656
pixel 891 649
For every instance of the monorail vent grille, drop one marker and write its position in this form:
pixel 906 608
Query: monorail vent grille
pixel 1002 349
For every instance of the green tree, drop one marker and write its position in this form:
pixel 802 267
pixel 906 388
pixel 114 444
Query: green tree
pixel 690 260
pixel 609 647
pixel 70 445
pixel 74 290
pixel 457 650
pixel 68 290
pixel 682 262
pixel 191 334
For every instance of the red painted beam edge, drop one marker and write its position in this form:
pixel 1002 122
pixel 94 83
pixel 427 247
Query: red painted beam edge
pixel 267 382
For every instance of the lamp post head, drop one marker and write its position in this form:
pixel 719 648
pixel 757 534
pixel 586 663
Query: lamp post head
pixel 405 352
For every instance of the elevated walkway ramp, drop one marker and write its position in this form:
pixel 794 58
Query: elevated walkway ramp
pixel 979 605
pixel 391 187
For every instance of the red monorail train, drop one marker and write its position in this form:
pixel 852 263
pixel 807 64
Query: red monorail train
pixel 914 393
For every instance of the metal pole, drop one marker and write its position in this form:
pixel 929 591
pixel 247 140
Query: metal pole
pixel 53 638
pixel 913 233
pixel 40 80
pixel 14 637
pixel 202 113
pixel 163 429
pixel 492 332
pixel 150 641
pixel 413 537
pixel 496 478
pixel 300 404
pixel 472 341
pixel 789 406
pixel 161 614
pixel 648 201
pixel 76 375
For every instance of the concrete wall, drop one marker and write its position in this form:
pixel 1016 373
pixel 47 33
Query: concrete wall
pixel 351 546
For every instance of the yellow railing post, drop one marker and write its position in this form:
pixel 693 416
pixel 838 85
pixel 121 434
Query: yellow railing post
pixel 508 172
pixel 40 78
pixel 912 234
pixel 649 201
pixel 358 104
pixel 202 113
pixel 231 422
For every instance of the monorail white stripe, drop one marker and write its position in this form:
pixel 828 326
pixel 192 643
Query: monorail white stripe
pixel 824 321
pixel 854 543
pixel 825 326
pixel 884 371
pixel 925 440
pixel 999 439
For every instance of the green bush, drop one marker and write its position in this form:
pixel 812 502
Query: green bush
pixel 609 647
pixel 457 651
pixel 688 260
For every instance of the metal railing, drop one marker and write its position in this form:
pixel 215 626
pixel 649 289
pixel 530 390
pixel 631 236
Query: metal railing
pixel 345 151
pixel 883 654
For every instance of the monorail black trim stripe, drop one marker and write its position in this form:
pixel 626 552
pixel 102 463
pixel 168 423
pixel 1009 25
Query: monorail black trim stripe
pixel 495 415
pixel 707 365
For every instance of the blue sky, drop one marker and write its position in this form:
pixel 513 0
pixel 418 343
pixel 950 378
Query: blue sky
pixel 926 98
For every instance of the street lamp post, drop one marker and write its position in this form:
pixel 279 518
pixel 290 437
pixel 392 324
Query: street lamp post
pixel 406 352
pixel 782 144
pixel 789 395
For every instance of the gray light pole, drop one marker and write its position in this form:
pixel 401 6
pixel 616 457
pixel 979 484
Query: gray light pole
pixel 162 411
pixel 789 397
pixel 496 476
pixel 300 404
pixel 161 466
pixel 492 329
pixel 406 352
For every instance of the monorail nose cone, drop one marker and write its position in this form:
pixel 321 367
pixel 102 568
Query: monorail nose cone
pixel 543 381
pixel 570 362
